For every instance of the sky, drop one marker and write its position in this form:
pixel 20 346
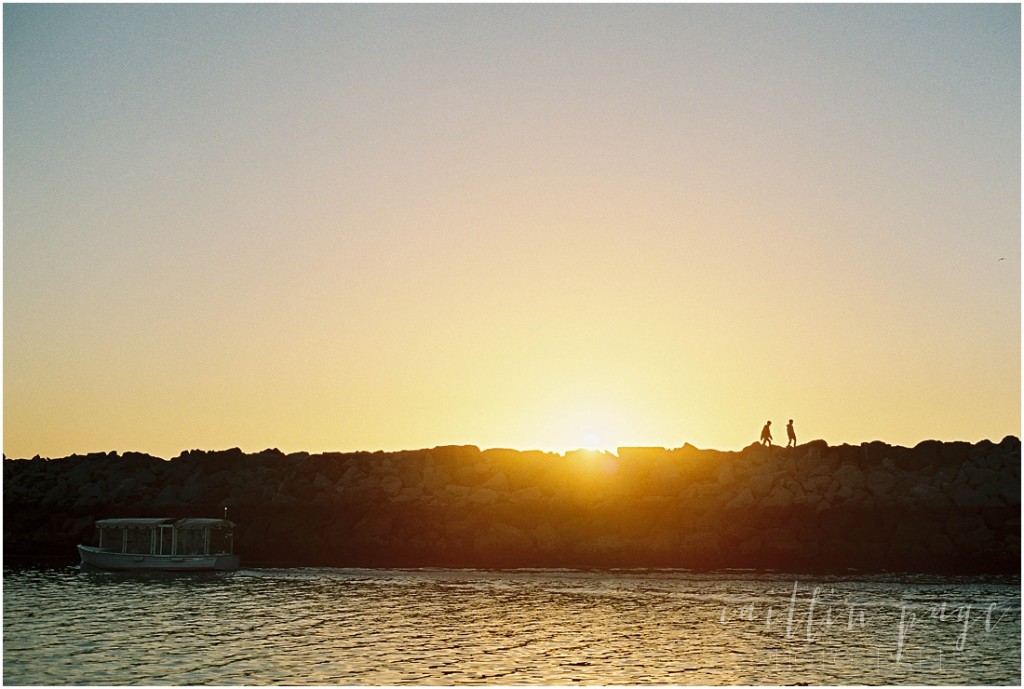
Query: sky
pixel 383 227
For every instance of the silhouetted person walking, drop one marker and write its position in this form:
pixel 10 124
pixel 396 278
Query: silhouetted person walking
pixel 766 434
pixel 791 433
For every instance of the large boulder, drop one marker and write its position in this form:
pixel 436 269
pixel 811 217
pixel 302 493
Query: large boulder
pixel 875 452
pixel 880 482
pixel 483 496
pixel 57 494
pixel 743 499
pixel 631 454
pixel 391 485
pixel 502 539
pixel 927 495
pixel 547 538
pixel 985 480
pixel 761 484
pixel 1011 445
pixel 965 496
pixel 497 482
pixel 92 494
pixel 954 454
pixel 850 477
pixel 818 484
pixel 169 496
pixel 1009 493
pixel 779 497
pixel 701 546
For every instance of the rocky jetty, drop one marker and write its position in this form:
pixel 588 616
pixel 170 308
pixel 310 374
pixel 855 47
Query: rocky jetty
pixel 936 507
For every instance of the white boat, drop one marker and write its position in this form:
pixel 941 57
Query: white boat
pixel 162 544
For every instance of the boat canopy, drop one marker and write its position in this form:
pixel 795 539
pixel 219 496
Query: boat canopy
pixel 162 543
pixel 151 522
pixel 200 523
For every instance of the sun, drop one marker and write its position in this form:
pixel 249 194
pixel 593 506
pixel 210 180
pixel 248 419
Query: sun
pixel 598 423
pixel 590 430
pixel 592 441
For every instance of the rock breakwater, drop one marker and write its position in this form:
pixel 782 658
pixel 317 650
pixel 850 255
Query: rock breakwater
pixel 939 506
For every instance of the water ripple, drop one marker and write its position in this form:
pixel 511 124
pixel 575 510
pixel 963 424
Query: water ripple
pixel 372 627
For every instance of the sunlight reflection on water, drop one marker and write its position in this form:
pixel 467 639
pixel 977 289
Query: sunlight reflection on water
pixel 337 626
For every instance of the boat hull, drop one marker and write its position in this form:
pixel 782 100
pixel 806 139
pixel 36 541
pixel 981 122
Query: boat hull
pixel 94 557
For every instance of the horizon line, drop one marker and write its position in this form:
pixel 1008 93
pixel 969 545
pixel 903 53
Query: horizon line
pixel 612 452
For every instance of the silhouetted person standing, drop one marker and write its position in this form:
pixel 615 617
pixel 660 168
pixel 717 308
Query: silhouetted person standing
pixel 791 433
pixel 766 434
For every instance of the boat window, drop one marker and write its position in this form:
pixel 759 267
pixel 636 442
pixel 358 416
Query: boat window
pixel 220 541
pixel 191 542
pixel 111 539
pixel 140 541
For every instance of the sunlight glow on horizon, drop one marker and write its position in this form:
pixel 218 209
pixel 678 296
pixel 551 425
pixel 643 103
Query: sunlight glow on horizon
pixel 388 227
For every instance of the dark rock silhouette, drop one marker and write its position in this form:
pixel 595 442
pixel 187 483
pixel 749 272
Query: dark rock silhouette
pixel 936 507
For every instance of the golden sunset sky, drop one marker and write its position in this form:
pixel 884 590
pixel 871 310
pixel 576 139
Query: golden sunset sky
pixel 363 227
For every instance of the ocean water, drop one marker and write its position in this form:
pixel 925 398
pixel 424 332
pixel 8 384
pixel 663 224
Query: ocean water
pixel 454 627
